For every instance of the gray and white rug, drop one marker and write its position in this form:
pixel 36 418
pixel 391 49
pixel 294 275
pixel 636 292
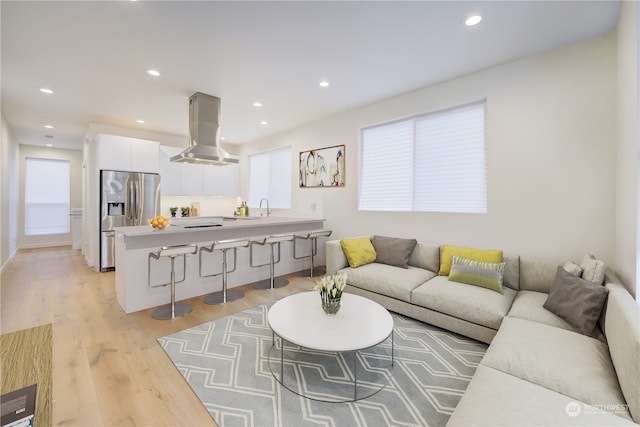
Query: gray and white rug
pixel 226 363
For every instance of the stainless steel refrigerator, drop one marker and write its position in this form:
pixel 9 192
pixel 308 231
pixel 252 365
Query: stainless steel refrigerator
pixel 126 199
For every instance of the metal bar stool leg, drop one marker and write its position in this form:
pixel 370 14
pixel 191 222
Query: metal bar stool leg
pixel 224 296
pixel 272 282
pixel 172 310
pixel 313 250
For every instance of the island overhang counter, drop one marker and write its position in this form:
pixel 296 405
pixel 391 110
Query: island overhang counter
pixel 139 280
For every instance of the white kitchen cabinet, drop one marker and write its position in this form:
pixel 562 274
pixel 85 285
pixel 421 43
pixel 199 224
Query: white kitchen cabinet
pixel 191 179
pixel 127 154
pixel 184 179
pixel 212 177
pixel 231 180
pixel 170 172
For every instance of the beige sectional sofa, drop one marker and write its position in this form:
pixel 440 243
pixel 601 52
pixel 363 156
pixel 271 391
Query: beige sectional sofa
pixel 538 370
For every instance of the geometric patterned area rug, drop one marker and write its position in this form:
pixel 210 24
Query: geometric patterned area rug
pixel 227 364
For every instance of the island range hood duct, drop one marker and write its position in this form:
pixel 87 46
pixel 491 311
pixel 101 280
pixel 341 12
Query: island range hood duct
pixel 204 133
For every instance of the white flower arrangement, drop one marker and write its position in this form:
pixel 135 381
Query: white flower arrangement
pixel 331 287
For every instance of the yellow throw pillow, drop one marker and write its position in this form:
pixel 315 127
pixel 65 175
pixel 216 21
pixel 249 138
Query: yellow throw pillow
pixel 483 255
pixel 359 251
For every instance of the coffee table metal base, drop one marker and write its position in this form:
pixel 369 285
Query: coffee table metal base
pixel 355 353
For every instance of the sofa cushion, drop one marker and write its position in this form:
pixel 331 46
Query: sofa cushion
pixel 592 269
pixel 485 274
pixel 576 300
pixel 622 328
pixel 485 255
pixel 359 251
pixel 393 251
pixel 569 363
pixel 394 282
pixel 427 256
pixel 537 275
pixel 494 398
pixel 471 303
pixel 528 305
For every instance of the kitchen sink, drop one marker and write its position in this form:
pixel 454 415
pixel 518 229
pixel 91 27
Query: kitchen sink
pixel 233 218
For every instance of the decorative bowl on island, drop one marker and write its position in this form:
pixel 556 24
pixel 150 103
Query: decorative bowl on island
pixel 159 222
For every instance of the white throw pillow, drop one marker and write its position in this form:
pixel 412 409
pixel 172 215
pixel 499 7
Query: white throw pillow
pixel 593 269
pixel 573 269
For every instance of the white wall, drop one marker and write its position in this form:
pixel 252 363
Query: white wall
pixel 8 195
pixel 551 158
pixel 627 163
pixel 75 169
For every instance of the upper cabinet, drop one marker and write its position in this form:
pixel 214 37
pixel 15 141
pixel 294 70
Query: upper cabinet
pixel 127 154
pixel 185 179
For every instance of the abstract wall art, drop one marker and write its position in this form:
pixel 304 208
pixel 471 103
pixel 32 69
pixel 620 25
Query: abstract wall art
pixel 324 167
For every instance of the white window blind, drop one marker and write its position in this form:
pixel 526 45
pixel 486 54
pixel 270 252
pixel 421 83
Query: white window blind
pixel 432 162
pixel 46 197
pixel 270 178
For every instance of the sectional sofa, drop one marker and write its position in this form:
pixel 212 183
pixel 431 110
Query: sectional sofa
pixel 539 369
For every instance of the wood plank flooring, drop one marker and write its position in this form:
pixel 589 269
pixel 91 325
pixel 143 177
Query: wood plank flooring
pixel 108 368
pixel 26 359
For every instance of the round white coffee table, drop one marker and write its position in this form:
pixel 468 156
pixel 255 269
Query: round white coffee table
pixel 360 324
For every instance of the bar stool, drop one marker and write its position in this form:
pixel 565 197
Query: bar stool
pixel 224 296
pixel 272 241
pixel 312 237
pixel 172 310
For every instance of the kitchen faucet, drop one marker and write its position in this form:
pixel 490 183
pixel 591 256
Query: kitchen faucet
pixel 266 200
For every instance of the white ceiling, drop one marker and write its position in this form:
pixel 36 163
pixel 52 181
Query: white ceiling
pixel 94 55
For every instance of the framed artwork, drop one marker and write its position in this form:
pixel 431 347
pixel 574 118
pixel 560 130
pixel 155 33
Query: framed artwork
pixel 323 167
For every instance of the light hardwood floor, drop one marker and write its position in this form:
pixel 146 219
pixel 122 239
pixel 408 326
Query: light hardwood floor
pixel 108 368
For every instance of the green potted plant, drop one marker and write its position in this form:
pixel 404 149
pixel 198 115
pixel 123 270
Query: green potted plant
pixel 173 211
pixel 185 211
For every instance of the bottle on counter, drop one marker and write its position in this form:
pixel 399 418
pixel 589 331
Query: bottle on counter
pixel 244 209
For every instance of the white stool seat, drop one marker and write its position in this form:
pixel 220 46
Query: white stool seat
pixel 172 310
pixel 312 237
pixel 223 296
pixel 273 240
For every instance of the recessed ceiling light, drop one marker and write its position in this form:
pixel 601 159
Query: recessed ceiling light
pixel 48 127
pixel 324 83
pixel 46 90
pixel 140 121
pixel 222 138
pixel 49 145
pixel 154 73
pixel 264 122
pixel 473 20
pixel 257 104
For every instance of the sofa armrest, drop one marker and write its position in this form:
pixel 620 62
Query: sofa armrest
pixel 335 257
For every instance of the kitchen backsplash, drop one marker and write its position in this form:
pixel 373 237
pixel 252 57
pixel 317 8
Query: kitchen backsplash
pixel 209 206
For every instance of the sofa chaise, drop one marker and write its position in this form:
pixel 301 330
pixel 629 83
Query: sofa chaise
pixel 539 368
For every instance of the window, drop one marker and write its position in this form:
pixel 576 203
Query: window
pixel 270 178
pixel 432 162
pixel 46 199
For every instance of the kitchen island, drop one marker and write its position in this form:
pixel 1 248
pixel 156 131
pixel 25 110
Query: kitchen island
pixel 137 285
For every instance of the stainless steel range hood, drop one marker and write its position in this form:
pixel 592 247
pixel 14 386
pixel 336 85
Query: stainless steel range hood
pixel 204 133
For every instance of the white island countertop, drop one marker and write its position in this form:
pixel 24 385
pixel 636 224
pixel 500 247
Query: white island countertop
pixel 144 236
pixel 138 277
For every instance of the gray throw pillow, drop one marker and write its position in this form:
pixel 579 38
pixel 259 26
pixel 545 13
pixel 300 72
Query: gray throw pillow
pixel 393 251
pixel 576 300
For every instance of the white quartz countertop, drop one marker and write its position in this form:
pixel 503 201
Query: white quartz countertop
pixel 143 236
pixel 236 223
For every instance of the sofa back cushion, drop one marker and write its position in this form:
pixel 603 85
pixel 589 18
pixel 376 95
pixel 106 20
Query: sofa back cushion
pixel 426 255
pixel 537 275
pixel 622 329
